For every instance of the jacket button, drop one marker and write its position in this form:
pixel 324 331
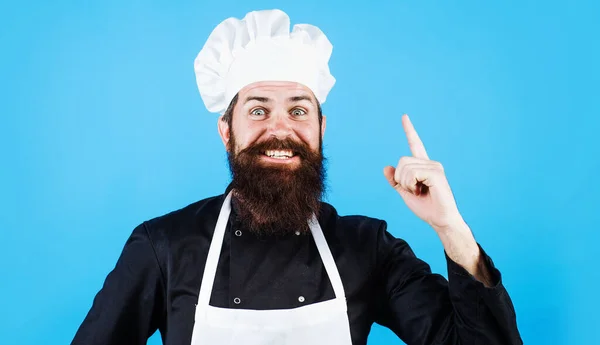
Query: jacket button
pixel 237 300
pixel 301 299
pixel 238 233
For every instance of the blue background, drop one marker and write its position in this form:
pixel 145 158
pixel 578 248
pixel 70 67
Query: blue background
pixel 102 127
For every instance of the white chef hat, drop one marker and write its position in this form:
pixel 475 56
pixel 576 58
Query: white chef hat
pixel 260 47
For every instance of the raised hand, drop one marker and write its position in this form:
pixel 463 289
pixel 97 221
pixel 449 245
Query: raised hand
pixel 422 184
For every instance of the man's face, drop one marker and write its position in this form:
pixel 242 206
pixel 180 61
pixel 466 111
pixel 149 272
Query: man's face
pixel 274 110
pixel 274 153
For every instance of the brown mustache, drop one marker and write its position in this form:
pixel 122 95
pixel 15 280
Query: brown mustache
pixel 300 149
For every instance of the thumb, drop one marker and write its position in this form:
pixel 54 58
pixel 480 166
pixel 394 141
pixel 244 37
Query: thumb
pixel 389 172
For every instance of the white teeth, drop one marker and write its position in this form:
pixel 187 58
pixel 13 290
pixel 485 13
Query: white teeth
pixel 282 154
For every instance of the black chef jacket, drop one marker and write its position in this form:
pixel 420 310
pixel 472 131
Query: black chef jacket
pixel 156 281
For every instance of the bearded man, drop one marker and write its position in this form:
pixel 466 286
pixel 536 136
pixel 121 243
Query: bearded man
pixel 268 262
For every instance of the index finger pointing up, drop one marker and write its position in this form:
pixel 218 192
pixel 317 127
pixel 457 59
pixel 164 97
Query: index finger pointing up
pixel 414 142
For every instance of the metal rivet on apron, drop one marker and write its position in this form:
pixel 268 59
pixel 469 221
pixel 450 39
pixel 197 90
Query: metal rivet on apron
pixel 238 233
pixel 297 233
pixel 237 300
pixel 301 298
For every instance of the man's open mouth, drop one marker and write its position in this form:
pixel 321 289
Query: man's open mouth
pixel 279 154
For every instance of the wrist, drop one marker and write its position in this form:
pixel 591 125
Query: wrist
pixel 460 245
pixel 456 226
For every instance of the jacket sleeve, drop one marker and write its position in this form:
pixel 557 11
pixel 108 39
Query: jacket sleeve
pixel 424 308
pixel 130 305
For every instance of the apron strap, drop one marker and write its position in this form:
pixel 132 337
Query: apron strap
pixel 327 258
pixel 212 260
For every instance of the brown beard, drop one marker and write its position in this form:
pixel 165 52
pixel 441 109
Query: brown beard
pixel 276 199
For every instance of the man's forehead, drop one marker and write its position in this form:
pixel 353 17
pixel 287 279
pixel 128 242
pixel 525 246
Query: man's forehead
pixel 276 89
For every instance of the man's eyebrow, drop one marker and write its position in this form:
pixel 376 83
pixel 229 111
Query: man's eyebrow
pixel 267 99
pixel 256 98
pixel 300 98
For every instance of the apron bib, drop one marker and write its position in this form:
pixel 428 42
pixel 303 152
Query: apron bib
pixel 318 323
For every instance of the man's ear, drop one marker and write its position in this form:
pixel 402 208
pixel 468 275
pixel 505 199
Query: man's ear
pixel 224 131
pixel 323 126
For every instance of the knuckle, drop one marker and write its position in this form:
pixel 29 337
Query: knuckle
pixel 404 160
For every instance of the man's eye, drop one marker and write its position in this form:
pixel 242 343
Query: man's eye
pixel 298 112
pixel 258 111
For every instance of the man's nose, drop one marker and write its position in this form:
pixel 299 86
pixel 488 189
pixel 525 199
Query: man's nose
pixel 280 124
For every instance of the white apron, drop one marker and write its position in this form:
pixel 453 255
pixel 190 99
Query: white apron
pixel 319 323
